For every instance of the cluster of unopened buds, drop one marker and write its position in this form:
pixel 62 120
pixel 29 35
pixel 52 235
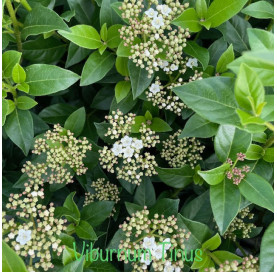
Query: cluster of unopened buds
pixel 64 153
pixel 163 97
pixel 248 264
pixel 127 149
pixel 178 152
pixel 155 44
pixel 103 190
pixel 155 239
pixel 237 174
pixel 33 232
pixel 239 226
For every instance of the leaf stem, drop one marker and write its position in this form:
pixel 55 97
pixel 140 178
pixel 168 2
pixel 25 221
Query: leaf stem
pixel 269 142
pixel 270 26
pixel 216 260
pixel 15 25
pixel 176 192
pixel 26 5
pixel 241 249
pixel 269 126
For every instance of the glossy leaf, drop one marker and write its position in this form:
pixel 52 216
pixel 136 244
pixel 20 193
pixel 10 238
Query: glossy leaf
pixel 84 36
pixel 199 127
pixel 229 141
pixel 76 121
pixel 145 194
pixel 25 103
pixel 97 212
pixel 254 152
pixel 44 79
pixel 211 98
pixel 96 67
pixel 249 90
pixel 176 177
pixel 258 191
pixel 18 74
pixel 216 175
pixel 213 243
pixel 260 39
pixel 122 88
pixel 199 232
pixel 225 201
pixel 220 12
pixel 11 262
pixel 260 61
pixel 9 60
pixel 165 206
pixel 42 20
pixel 267 250
pixel 260 10
pixel 226 58
pixel 19 127
pixel 85 231
pixel 188 19
pixel 139 79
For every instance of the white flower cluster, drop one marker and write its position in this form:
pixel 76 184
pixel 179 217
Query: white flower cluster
pixel 103 190
pixel 163 96
pixel 178 152
pixel 63 153
pixel 127 147
pixel 161 45
pixel 238 225
pixel 36 235
pixel 156 238
pixel 127 156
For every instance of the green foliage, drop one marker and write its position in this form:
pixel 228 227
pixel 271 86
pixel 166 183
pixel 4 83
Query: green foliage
pixel 80 64
pixel 11 262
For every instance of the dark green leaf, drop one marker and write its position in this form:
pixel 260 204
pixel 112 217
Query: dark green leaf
pixel 85 231
pixel 19 128
pixel 211 98
pixel 235 32
pixel 139 79
pixel 229 141
pixel 176 177
pixel 43 50
pixel 96 213
pixel 76 121
pixel 225 201
pixel 165 206
pixel 45 79
pixel 71 206
pixel 42 20
pixel 267 250
pixel 145 193
pixel 56 113
pixel 199 127
pixel 199 232
pixel 258 191
pixel 96 67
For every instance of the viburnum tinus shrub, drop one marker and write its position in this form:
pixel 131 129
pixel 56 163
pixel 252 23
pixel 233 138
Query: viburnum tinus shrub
pixel 137 135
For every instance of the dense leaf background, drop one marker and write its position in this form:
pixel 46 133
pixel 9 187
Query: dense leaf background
pixel 64 63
